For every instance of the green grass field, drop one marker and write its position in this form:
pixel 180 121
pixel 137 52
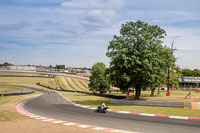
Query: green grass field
pixel 57 82
pixel 28 81
pixel 74 84
pixel 51 82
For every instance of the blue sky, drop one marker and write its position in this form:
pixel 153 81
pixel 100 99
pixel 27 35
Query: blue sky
pixel 77 32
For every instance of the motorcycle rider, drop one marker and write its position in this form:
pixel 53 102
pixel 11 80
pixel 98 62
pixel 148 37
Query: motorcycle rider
pixel 103 105
pixel 102 108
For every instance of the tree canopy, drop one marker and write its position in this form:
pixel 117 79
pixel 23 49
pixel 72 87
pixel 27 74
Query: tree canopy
pixel 98 78
pixel 138 59
pixel 60 67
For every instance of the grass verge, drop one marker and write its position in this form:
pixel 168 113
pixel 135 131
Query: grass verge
pixel 94 101
pixel 7 112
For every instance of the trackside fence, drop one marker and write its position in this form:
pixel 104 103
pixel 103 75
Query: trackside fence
pixel 148 103
pixel 12 91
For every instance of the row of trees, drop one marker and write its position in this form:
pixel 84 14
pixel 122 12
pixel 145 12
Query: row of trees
pixel 57 67
pixel 189 72
pixel 138 59
pixel 6 64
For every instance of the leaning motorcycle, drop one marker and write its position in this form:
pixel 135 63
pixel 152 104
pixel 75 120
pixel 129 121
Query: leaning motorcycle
pixel 101 110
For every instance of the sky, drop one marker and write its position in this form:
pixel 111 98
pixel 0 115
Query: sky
pixel 77 32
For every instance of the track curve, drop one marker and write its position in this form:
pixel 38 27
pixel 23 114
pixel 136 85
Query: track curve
pixel 52 105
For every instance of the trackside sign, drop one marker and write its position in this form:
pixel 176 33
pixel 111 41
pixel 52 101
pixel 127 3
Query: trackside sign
pixel 189 79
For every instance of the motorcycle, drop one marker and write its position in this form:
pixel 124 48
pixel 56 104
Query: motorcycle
pixel 101 110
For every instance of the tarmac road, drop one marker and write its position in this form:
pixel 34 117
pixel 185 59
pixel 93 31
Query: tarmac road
pixel 52 105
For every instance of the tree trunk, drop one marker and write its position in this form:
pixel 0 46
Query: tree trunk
pixel 158 91
pixel 152 92
pixel 138 92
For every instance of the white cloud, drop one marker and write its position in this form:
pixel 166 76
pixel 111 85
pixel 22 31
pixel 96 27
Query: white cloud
pixel 164 4
pixel 187 45
pixel 160 16
pixel 15 26
pixel 96 19
pixel 93 4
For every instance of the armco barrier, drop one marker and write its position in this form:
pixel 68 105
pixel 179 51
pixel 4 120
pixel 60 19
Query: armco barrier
pixel 46 86
pixel 96 94
pixel 15 94
pixel 148 103
pixel 194 105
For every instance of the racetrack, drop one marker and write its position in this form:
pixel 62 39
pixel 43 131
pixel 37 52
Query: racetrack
pixel 52 105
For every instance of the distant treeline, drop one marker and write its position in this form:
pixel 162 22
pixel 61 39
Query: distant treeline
pixel 6 64
pixel 64 67
pixel 190 72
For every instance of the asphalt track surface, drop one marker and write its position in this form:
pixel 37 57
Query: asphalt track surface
pixel 52 105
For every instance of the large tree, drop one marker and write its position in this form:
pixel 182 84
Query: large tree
pixel 98 78
pixel 138 59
